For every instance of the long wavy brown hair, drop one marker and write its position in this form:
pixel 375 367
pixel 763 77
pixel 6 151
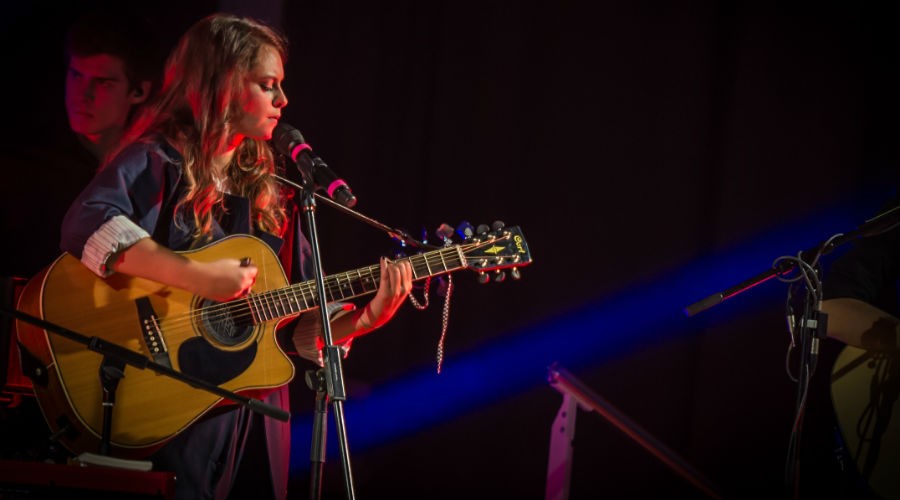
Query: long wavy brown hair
pixel 195 110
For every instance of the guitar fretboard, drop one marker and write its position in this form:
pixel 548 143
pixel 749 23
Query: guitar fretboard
pixel 303 296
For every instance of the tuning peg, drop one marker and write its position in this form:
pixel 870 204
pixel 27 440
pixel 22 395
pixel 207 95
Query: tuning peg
pixel 465 230
pixel 397 237
pixel 515 274
pixel 482 229
pixel 444 232
pixel 483 278
pixel 498 225
pixel 499 276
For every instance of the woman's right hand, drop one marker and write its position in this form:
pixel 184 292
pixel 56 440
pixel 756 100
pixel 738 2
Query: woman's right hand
pixel 219 280
pixel 225 279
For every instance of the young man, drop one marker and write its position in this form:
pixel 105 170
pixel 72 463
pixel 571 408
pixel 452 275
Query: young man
pixel 113 66
pixel 108 76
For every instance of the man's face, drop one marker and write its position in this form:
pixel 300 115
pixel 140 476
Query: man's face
pixel 98 96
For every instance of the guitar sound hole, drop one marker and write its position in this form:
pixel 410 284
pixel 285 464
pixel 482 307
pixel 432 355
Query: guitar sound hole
pixel 228 324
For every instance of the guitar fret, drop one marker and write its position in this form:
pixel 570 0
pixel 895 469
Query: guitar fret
pixel 415 263
pixel 264 307
pixel 343 288
pixel 279 295
pixel 297 306
pixel 366 282
pixel 272 304
pixel 278 304
pixel 261 307
pixel 253 308
pixel 299 289
pixel 462 256
pixel 269 309
pixel 313 293
pixel 256 308
pixel 428 267
pixel 443 262
pixel 291 297
pixel 329 289
pixel 373 279
pixel 431 257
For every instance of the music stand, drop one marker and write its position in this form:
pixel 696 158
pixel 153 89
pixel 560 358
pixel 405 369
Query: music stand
pixel 578 395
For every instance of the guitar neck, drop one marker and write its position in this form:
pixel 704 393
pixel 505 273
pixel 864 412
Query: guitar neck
pixel 303 296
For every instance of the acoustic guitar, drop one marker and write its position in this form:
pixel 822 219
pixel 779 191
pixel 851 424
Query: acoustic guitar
pixel 865 386
pixel 229 344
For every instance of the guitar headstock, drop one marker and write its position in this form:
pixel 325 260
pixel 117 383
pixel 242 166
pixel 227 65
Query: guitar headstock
pixel 495 249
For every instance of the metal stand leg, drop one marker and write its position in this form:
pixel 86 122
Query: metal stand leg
pixel 562 437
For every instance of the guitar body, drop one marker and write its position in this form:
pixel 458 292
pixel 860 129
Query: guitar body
pixel 865 387
pixel 231 345
pixel 218 343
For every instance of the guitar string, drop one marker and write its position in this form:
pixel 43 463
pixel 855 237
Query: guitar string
pixel 307 290
pixel 333 287
pixel 271 301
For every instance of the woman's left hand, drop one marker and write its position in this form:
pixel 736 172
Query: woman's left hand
pixel 394 287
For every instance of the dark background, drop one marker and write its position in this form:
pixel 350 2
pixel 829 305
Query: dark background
pixel 630 142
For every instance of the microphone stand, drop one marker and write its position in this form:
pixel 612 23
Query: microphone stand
pixel 876 225
pixel 810 327
pixel 328 382
pixel 332 376
pixel 112 369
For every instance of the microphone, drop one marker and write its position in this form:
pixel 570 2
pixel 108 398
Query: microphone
pixel 289 142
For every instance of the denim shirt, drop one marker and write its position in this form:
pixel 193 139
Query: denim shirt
pixel 143 183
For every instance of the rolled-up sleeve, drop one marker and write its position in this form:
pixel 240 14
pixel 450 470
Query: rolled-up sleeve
pixel 114 236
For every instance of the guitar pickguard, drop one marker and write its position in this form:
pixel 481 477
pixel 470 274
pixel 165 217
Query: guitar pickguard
pixel 199 359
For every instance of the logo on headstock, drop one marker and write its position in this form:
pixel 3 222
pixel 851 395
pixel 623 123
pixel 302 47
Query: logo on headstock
pixel 519 244
pixel 494 249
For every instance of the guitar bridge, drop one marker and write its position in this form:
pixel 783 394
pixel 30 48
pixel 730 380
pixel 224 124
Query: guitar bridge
pixel 153 338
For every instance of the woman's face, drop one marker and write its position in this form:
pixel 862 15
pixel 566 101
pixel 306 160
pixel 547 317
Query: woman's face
pixel 262 97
